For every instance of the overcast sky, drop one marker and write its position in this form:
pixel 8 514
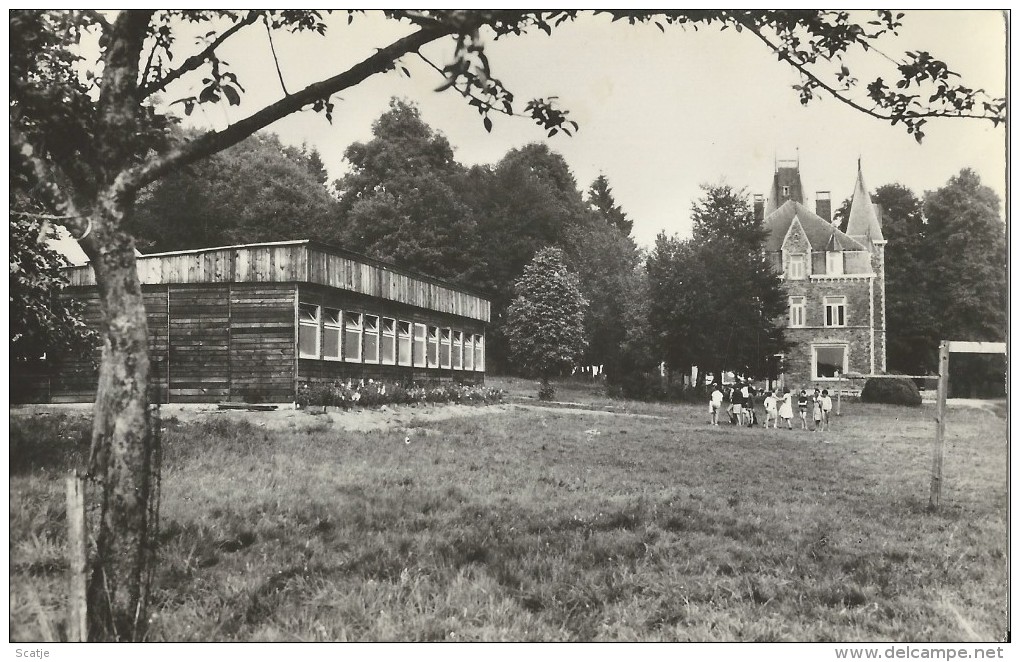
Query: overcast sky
pixel 660 114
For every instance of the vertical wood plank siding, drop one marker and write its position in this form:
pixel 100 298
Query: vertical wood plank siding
pixel 199 348
pixel 300 262
pixel 223 322
pixel 262 342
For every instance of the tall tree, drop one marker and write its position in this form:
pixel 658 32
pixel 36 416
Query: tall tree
pixel 910 317
pixel 400 202
pixel 716 301
pixel 89 148
pixel 600 199
pixel 257 190
pixel 544 321
pixel 527 201
pixel 966 260
pixel 604 259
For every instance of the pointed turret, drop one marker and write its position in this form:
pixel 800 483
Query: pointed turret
pixel 864 223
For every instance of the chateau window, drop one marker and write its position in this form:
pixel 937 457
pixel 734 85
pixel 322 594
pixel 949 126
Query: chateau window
pixel 308 331
pixel 444 350
pixel 404 343
pixel 331 332
pixel 828 361
pixel 835 311
pixel 433 347
pixel 389 341
pixel 834 263
pixel 352 337
pixel 458 350
pixel 797 305
pixel 796 269
pixel 419 346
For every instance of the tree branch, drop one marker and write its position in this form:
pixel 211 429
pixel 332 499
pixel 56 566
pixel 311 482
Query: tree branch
pixel 276 60
pixel 195 61
pixel 466 92
pixel 214 141
pixel 802 68
pixel 44 180
pixel 98 18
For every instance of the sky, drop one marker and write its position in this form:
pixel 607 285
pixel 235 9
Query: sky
pixel 660 114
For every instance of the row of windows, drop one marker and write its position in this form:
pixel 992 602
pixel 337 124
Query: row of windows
pixel 340 335
pixel 797 267
pixel 835 311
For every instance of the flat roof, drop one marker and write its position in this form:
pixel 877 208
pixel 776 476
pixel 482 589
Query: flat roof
pixel 302 261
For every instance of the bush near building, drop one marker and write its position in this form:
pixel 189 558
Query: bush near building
pixel 891 390
pixel 371 393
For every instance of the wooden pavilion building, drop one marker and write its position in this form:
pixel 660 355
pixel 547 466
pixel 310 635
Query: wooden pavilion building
pixel 253 322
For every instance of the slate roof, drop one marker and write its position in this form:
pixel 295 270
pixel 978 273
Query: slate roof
pixel 863 217
pixel 821 234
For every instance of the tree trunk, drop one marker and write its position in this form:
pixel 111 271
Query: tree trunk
pixel 122 443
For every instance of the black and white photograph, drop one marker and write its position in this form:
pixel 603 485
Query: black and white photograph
pixel 680 328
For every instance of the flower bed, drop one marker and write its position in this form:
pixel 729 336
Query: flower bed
pixel 370 393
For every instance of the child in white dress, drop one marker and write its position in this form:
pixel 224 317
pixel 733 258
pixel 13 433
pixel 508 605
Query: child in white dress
pixel 786 409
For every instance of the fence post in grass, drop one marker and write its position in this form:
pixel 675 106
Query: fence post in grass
pixel 947 347
pixel 940 427
pixel 77 557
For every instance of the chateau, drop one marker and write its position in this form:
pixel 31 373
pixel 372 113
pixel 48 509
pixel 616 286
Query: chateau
pixel 834 281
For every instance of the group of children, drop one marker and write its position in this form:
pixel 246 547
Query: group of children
pixel 741 397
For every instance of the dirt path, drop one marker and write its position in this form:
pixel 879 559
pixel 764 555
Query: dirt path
pixel 288 418
pixel 582 410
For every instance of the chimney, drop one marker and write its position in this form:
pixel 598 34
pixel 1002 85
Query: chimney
pixel 823 205
pixel 759 207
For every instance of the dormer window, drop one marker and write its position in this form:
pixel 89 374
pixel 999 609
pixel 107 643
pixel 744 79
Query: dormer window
pixel 795 269
pixel 834 263
pixel 786 191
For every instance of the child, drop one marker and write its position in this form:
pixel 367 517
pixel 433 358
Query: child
pixel 802 401
pixel 816 406
pixel 752 420
pixel 770 410
pixel 786 408
pixel 826 408
pixel 715 404
pixel 737 405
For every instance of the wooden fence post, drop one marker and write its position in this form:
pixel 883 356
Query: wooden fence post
pixel 77 557
pixel 935 496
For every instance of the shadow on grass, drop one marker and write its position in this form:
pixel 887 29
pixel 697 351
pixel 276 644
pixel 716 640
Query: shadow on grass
pixel 49 442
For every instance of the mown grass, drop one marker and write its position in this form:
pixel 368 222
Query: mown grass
pixel 546 525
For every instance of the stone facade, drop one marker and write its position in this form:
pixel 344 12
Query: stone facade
pixel 834 281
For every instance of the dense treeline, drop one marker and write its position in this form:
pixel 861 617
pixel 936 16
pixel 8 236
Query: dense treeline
pixel 406 199
pixel 945 278
pixel 709 300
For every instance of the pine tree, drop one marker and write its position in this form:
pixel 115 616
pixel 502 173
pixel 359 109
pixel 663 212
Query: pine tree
pixel 600 199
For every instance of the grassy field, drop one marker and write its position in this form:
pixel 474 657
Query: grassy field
pixel 548 525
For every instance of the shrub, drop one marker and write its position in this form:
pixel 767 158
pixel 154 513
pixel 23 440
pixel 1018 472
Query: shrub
pixel 891 391
pixel 650 387
pixel 371 393
pixel 636 386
